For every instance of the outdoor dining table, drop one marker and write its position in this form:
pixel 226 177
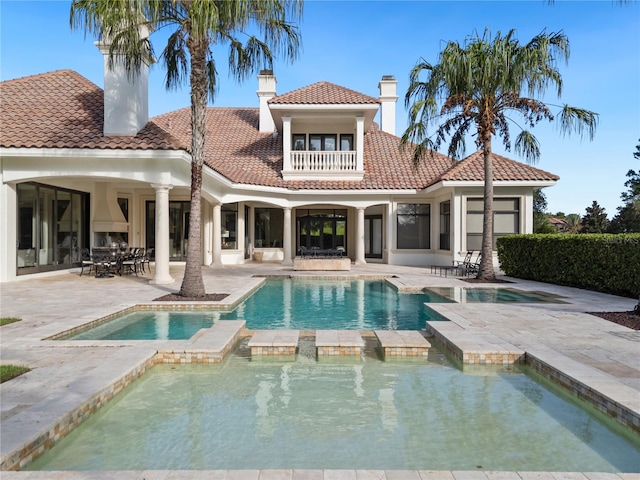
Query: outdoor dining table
pixel 107 261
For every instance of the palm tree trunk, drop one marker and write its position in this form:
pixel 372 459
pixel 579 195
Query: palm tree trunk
pixel 486 271
pixel 192 283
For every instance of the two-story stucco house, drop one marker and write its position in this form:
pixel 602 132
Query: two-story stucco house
pixel 81 167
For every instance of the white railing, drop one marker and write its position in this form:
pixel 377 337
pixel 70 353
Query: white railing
pixel 313 161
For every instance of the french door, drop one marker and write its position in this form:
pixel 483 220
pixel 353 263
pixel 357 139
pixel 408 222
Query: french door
pixel 324 229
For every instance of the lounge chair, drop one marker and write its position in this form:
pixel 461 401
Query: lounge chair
pixel 469 268
pixel 457 265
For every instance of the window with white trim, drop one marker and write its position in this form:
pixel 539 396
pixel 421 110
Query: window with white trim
pixel 445 225
pixel 413 226
pixel 506 220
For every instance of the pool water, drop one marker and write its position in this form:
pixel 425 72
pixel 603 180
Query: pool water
pixel 371 414
pixel 335 304
pixel 494 295
pixel 288 303
pixel 149 325
pixel 303 304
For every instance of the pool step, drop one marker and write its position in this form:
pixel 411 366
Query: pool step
pixel 338 342
pixel 210 345
pixel 403 343
pixel 274 342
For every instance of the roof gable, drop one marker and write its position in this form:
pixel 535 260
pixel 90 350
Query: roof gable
pixel 471 168
pixel 323 93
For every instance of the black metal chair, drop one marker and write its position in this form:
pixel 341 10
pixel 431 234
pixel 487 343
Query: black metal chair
pixel 132 261
pixel 458 266
pixel 470 268
pixel 105 262
pixel 148 254
pixel 85 260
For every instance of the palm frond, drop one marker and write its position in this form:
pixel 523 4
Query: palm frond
pixel 528 146
pixel 175 60
pixel 579 120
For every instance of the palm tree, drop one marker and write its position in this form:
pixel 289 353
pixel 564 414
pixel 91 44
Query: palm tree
pixel 573 222
pixel 198 26
pixel 479 84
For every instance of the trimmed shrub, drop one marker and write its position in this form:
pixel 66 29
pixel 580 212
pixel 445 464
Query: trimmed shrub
pixel 602 262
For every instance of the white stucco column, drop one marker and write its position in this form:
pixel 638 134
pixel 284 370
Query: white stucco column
pixel 162 275
pixel 251 229
pixel 8 240
pixel 360 144
pixel 360 237
pixel 286 143
pixel 458 224
pixel 389 231
pixel 217 236
pixel 286 240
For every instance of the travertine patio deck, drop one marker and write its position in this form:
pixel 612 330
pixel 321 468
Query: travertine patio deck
pixel 602 355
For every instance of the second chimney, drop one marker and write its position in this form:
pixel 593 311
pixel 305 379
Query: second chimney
pixel 266 91
pixel 388 99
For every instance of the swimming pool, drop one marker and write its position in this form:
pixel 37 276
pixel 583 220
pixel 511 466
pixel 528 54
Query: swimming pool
pixel 284 303
pixel 303 304
pixel 335 304
pixel 244 414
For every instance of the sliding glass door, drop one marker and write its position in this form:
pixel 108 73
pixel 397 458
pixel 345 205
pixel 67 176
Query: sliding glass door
pixel 52 227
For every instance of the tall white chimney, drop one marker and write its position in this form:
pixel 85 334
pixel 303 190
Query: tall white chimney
pixel 388 99
pixel 126 97
pixel 266 91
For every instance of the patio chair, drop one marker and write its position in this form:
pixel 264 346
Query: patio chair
pixel 470 268
pixel 457 264
pixel 105 263
pixel 132 262
pixel 146 258
pixel 85 260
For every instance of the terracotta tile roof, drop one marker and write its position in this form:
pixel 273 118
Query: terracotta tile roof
pixel 236 149
pixel 472 169
pixel 62 109
pixel 323 93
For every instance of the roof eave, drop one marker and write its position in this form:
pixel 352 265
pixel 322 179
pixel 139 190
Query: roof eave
pixel 42 152
pixel 497 183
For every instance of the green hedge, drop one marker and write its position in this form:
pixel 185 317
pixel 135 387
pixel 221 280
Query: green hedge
pixel 601 262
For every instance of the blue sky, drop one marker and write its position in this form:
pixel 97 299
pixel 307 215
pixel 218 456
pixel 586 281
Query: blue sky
pixel 354 43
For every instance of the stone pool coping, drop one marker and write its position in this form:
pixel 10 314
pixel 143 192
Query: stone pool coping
pixel 610 364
